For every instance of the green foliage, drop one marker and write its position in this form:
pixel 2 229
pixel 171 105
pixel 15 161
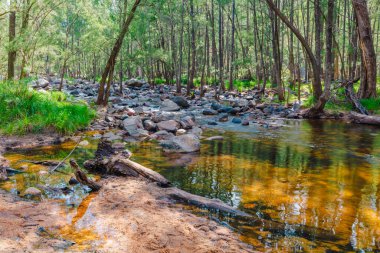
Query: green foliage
pixel 26 111
pixel 371 104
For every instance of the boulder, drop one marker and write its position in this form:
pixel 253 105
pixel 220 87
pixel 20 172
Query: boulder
pixel 186 143
pixel 42 83
pixel 131 124
pixel 169 106
pixel 216 106
pixel 168 125
pixel 181 101
pixel 135 83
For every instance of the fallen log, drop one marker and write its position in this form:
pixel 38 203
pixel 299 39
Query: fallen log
pixel 211 204
pixel 82 177
pixel 364 119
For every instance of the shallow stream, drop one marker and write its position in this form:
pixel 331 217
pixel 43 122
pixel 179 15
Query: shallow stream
pixel 314 186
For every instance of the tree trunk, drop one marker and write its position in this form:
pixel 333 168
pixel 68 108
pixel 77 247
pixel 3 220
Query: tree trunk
pixel 108 70
pixel 368 87
pixel 12 50
pixel 232 48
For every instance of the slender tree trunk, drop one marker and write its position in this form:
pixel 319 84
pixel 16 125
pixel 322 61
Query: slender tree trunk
pixel 318 108
pixel 190 83
pixel 108 70
pixel 232 48
pixel 12 35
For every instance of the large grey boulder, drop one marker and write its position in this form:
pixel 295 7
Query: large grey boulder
pixel 169 106
pixel 169 125
pixel 186 143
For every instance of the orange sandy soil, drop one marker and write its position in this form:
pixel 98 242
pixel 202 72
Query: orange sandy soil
pixel 127 215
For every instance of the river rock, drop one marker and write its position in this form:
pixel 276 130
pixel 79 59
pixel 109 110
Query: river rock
pixel 131 124
pixel 169 125
pixel 161 135
pixel 187 122
pixel 236 120
pixel 216 106
pixel 245 122
pixel 181 101
pixel 135 83
pixel 186 143
pixel 4 164
pixel 32 192
pixel 180 132
pixel 224 118
pixel 169 106
pixel 42 83
pixel 209 112
pixel 150 125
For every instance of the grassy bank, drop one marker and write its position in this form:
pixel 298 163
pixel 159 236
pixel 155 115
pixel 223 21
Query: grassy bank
pixel 26 111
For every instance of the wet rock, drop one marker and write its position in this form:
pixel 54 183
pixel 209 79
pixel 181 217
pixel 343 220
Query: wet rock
pixel 260 106
pixel 268 110
pixel 235 110
pixel 212 123
pixel 245 122
pixel 292 115
pixel 32 192
pixel 186 143
pixel 225 109
pixel 224 118
pixel 161 135
pixel 131 124
pixel 150 125
pixel 216 106
pixel 73 181
pixel 169 125
pixel 169 106
pixel 187 122
pixel 236 121
pixel 209 112
pixel 181 101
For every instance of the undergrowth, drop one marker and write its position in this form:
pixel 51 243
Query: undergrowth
pixel 23 110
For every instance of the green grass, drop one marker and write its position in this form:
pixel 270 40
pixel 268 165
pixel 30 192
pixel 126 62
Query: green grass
pixel 371 104
pixel 26 111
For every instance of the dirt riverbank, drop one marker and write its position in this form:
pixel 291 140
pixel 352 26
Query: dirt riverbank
pixel 127 215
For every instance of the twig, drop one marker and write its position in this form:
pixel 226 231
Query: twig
pixel 61 162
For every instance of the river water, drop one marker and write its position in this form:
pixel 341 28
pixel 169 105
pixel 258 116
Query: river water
pixel 312 186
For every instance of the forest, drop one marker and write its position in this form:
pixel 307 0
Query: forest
pixel 234 125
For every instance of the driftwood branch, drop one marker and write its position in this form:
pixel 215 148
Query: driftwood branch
pixel 351 96
pixel 64 159
pixel 82 177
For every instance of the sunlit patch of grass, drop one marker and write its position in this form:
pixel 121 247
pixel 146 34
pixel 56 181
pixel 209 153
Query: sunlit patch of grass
pixel 26 111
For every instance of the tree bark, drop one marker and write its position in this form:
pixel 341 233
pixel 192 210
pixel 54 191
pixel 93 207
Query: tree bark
pixel 368 87
pixel 11 50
